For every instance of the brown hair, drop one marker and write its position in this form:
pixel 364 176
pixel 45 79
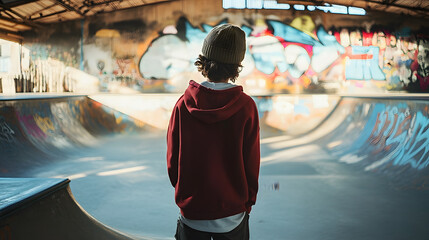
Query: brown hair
pixel 216 71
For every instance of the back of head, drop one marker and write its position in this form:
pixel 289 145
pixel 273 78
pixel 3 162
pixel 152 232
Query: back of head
pixel 225 43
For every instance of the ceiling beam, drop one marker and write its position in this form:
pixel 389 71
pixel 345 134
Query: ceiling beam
pixel 92 4
pixel 4 10
pixel 48 15
pixel 18 3
pixel 43 9
pixel 24 19
pixel 426 10
pixel 11 29
pixel 6 31
pixel 10 10
pixel 69 7
pixel 10 36
pixel 14 21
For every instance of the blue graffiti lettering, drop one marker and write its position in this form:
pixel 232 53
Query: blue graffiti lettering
pixel 363 64
pixel 415 148
pixel 325 51
pixel 291 34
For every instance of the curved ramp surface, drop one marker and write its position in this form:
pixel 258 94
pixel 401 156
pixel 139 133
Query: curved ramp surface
pixel 361 174
pixel 37 131
pixel 46 209
pixel 389 136
pixel 44 130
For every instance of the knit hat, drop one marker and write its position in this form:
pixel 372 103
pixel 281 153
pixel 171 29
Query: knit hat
pixel 225 43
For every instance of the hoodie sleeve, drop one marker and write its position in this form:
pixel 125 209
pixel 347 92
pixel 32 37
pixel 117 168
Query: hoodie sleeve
pixel 173 146
pixel 251 155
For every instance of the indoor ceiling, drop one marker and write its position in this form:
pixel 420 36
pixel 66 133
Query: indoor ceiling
pixel 21 15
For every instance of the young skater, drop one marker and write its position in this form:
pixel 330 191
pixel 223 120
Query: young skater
pixel 213 152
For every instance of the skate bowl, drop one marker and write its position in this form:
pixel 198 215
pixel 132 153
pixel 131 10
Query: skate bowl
pixel 385 136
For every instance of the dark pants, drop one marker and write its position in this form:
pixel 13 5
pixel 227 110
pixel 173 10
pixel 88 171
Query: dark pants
pixel 241 232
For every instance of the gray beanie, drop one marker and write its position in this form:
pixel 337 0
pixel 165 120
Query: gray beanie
pixel 225 43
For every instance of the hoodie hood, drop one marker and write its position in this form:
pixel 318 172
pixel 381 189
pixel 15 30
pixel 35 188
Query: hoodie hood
pixel 212 106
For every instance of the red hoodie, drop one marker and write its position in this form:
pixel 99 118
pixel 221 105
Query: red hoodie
pixel 213 153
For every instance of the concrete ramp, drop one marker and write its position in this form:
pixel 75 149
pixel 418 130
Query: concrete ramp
pixel 46 209
pixel 35 131
pixel 387 135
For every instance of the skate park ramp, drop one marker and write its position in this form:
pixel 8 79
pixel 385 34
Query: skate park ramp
pixel 45 209
pixel 385 135
pixel 37 131
pixel 350 167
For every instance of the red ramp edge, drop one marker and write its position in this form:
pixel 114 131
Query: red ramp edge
pixel 46 209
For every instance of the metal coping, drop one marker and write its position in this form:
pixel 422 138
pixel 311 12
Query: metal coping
pixel 368 96
pixel 37 96
pixel 401 96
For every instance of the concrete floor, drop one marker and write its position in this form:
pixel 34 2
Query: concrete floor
pixel 304 193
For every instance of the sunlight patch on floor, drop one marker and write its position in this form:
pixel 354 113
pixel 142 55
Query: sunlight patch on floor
pixel 121 171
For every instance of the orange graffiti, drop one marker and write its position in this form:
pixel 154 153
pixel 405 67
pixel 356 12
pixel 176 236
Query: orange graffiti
pixel 44 123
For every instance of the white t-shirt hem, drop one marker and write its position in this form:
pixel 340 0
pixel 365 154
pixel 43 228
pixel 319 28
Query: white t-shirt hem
pixel 220 225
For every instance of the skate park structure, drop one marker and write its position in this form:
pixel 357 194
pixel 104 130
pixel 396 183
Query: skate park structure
pixel 344 144
pixel 382 140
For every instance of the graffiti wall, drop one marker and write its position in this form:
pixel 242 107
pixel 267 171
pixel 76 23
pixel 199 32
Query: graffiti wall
pixel 57 41
pixel 285 53
pixel 299 57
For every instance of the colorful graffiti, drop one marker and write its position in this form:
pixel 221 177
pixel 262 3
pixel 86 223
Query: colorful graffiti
pixel 299 53
pixel 29 124
pixel 38 130
pixel 383 136
pixel 362 63
pixel 396 128
pixel 295 55
pixel 69 56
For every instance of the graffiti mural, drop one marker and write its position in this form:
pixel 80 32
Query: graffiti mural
pixel 298 56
